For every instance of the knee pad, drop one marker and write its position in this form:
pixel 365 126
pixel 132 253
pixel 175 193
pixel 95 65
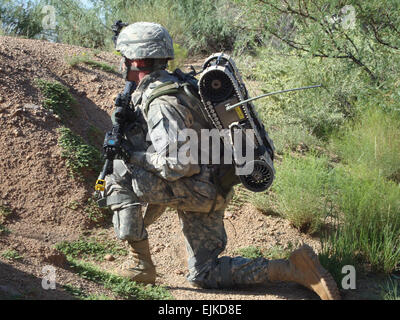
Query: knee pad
pixel 128 224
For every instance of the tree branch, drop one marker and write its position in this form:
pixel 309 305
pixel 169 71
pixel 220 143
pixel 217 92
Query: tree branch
pixel 378 38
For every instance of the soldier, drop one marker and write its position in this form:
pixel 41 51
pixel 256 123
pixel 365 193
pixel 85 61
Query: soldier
pixel 153 178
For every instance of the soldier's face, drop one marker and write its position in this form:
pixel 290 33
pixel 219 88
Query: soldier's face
pixel 137 75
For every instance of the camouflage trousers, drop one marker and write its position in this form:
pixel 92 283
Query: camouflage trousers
pixel 201 213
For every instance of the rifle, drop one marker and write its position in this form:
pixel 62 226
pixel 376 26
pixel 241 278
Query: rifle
pixel 114 138
pixel 116 28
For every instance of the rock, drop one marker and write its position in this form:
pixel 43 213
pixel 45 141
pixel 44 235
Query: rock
pixel 109 257
pixel 31 106
pixel 228 214
pixel 94 78
pixel 179 272
pixel 156 249
pixel 16 113
pixel 17 132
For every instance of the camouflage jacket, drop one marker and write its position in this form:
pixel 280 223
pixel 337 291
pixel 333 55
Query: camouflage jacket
pixel 165 118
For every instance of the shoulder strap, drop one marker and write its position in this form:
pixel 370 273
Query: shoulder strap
pixel 166 88
pixel 175 88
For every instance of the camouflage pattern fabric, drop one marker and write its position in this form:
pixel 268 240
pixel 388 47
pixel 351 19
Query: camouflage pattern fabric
pixel 154 179
pixel 144 40
pixel 205 239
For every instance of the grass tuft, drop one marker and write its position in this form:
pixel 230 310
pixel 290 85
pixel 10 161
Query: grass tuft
pixel 87 60
pixel 11 255
pixel 81 158
pixel 88 248
pixel 121 287
pixel 57 97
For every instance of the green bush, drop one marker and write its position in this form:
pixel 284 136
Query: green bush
pixel 20 18
pixel 11 255
pixel 94 212
pixel 390 290
pixel 249 252
pixel 371 220
pixel 318 111
pixel 89 248
pixel 81 159
pixel 56 96
pixel 5 211
pixel 302 191
pixel 372 144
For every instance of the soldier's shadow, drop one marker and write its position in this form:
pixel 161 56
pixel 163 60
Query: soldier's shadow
pixel 18 285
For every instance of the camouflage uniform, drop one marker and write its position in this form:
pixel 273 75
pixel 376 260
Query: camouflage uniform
pixel 159 180
pixel 155 177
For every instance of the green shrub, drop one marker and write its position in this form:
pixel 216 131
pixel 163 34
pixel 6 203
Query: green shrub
pixel 275 252
pixel 4 230
pixel 56 96
pixel 390 290
pixel 94 212
pixel 249 252
pixel 302 191
pixel 89 248
pixel 372 144
pixel 5 211
pixel 278 252
pixel 370 224
pixel 20 18
pixel 80 158
pixel 318 111
pixel 91 209
pixel 11 255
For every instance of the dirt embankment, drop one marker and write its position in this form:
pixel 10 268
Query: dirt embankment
pixel 37 189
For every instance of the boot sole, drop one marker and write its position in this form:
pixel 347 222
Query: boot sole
pixel 316 277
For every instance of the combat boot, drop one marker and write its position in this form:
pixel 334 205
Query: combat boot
pixel 303 267
pixel 140 268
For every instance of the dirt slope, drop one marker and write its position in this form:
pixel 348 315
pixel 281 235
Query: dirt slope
pixel 36 186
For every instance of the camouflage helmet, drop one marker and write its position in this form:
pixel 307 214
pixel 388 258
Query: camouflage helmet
pixel 144 40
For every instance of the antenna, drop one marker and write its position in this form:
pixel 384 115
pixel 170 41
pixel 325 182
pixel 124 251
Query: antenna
pixel 230 107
